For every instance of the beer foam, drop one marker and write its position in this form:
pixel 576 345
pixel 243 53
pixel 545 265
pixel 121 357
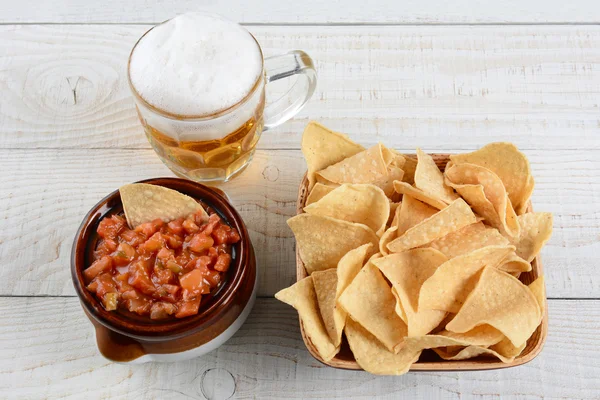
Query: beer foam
pixel 195 64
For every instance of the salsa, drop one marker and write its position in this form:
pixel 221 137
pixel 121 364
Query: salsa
pixel 160 269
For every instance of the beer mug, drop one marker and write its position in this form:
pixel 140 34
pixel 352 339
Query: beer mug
pixel 198 81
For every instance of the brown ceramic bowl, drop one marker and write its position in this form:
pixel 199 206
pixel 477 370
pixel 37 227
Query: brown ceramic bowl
pixel 126 337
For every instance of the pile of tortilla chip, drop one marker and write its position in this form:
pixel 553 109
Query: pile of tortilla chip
pixel 402 256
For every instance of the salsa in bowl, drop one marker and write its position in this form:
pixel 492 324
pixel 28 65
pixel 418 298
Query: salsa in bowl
pixel 163 288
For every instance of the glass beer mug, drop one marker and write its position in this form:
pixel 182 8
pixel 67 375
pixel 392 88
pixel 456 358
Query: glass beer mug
pixel 198 81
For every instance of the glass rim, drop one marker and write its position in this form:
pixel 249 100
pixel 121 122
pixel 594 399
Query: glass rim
pixel 206 116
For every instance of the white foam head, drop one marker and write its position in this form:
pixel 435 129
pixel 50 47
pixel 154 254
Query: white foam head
pixel 195 64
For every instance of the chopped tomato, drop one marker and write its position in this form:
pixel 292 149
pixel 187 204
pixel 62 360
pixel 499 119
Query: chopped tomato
pixel 213 222
pixel 124 255
pixel 168 293
pixel 173 241
pixel 104 264
pixel 201 242
pixel 190 226
pixel 162 274
pixel 223 262
pixel 188 308
pixel 165 255
pixel 139 305
pixel 138 278
pixel 200 217
pixel 193 281
pixel 109 228
pixel 105 284
pixel 132 237
pixel 203 262
pixel 213 253
pixel 176 226
pixel 212 277
pixel 224 249
pixel 155 243
pixel 105 247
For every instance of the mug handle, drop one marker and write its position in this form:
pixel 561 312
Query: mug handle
pixel 283 66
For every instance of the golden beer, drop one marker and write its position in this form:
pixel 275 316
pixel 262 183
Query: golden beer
pixel 198 81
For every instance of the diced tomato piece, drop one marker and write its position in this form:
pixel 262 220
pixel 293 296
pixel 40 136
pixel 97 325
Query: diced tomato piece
pixel 139 305
pixel 213 221
pixel 130 294
pixel 93 286
pixel 188 308
pixel 212 277
pixel 105 284
pixel 190 226
pixel 234 236
pixel 105 247
pixel 165 255
pixel 193 281
pixel 162 310
pixel 223 262
pixel 176 226
pixel 147 228
pixel 132 237
pixel 162 274
pixel 201 242
pixel 155 243
pixel 104 264
pixel 213 253
pixel 173 241
pixel 203 262
pixel 168 292
pixel 109 228
pixel 221 234
pixel 124 255
pixel 138 278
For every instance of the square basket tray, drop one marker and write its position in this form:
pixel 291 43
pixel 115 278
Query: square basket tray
pixel 429 361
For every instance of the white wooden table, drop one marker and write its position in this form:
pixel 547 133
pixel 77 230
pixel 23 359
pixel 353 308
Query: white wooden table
pixel 446 76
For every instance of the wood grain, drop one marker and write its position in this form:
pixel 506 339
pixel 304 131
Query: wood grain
pixel 442 87
pixel 309 11
pixel 45 194
pixel 48 351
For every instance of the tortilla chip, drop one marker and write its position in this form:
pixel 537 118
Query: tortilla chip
pixel 506 349
pixel 485 192
pixel 407 271
pixel 302 297
pixel 375 358
pixel 463 353
pixel 501 301
pixel 482 335
pixel 364 204
pixel 412 212
pixel 394 208
pixel 405 189
pixel 323 241
pixel 536 229
pixel 386 183
pixel 430 179
pixel 386 238
pixel 368 166
pixel 399 309
pixel 323 147
pixel 514 264
pixel 350 265
pixel 399 160
pixel 467 239
pixel 347 269
pixel 318 192
pixel 409 167
pixel 325 286
pixel 369 301
pixel 448 288
pixel 538 288
pixel 143 202
pixel 511 166
pixel 452 218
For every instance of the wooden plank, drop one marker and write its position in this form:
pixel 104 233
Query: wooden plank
pixel 310 11
pixel 45 194
pixel 442 86
pixel 49 351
